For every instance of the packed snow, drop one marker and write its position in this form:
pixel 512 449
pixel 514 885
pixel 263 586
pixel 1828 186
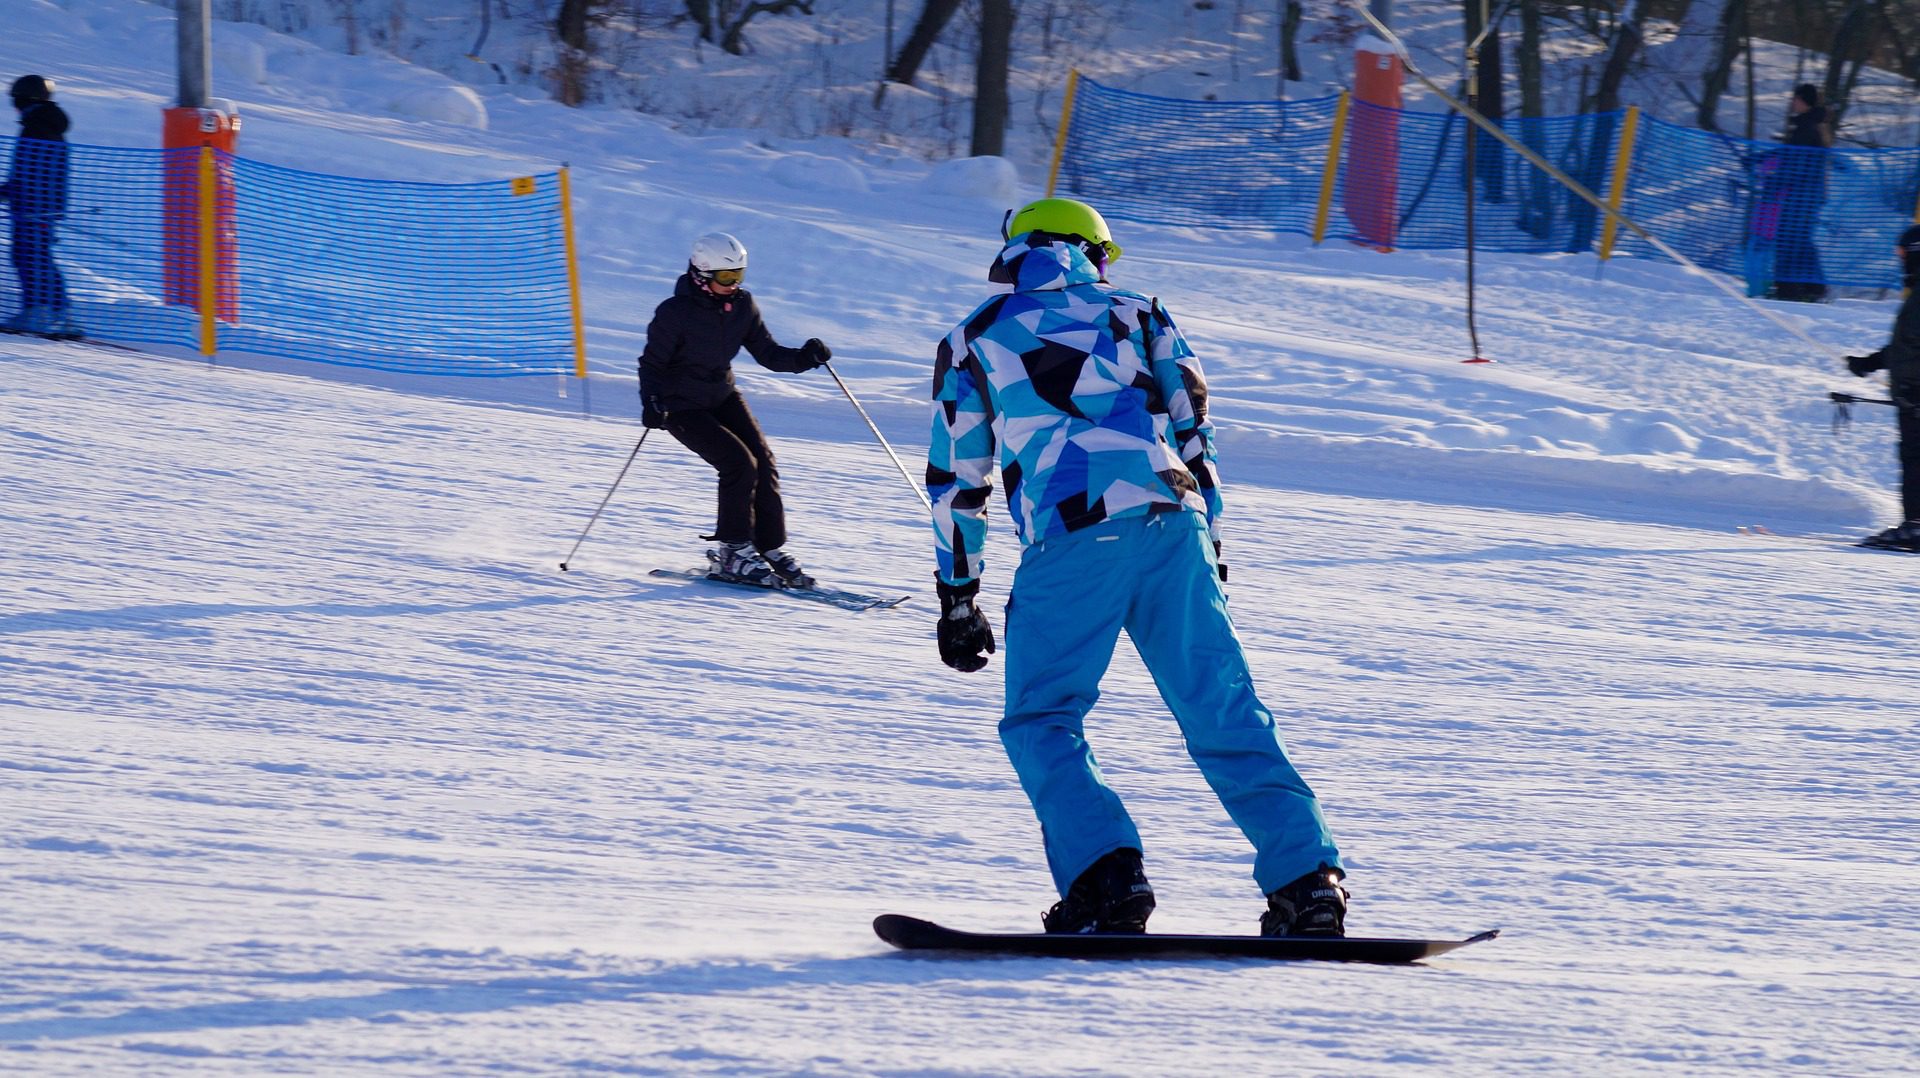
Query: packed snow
pixel 314 762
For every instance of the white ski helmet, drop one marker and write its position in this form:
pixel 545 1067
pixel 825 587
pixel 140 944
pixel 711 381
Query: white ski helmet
pixel 717 251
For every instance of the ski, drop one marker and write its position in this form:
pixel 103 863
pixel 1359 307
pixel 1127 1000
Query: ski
pixel 914 934
pixel 845 600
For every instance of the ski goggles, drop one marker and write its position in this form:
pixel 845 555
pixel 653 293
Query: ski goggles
pixel 730 278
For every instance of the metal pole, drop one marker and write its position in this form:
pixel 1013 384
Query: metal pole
pixel 608 498
pixel 1473 139
pixel 194 29
pixel 904 474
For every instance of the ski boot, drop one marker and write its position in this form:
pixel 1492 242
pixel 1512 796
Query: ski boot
pixel 1111 896
pixel 1313 905
pixel 1899 537
pixel 786 568
pixel 739 563
pixel 34 320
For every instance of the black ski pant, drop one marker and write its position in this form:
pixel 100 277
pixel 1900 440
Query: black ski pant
pixel 1908 392
pixel 727 437
pixel 41 284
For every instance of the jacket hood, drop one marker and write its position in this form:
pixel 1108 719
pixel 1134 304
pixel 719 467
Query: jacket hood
pixel 1031 264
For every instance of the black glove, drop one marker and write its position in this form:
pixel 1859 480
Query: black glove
pixel 816 352
pixel 652 416
pixel 1861 366
pixel 965 637
pixel 1218 562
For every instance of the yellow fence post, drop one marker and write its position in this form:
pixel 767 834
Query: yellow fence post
pixel 209 254
pixel 1623 162
pixel 1060 137
pixel 1331 171
pixel 573 275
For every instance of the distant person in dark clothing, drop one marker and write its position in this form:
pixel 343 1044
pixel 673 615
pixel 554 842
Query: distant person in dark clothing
pixel 35 191
pixel 1802 179
pixel 686 387
pixel 1901 360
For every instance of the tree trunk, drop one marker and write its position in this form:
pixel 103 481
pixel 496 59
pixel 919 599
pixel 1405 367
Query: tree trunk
pixel 1532 98
pixel 1289 36
pixel 990 101
pixel 934 17
pixel 1622 46
pixel 571 24
pixel 1493 105
pixel 1728 46
pixel 1536 214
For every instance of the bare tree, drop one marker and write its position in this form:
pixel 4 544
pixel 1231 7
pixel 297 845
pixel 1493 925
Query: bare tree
pixel 724 21
pixel 934 16
pixel 990 101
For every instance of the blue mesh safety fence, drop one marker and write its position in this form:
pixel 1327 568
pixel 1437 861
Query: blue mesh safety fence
pixel 1779 216
pixel 454 279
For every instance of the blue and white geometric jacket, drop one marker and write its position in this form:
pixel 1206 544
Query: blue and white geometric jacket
pixel 1085 394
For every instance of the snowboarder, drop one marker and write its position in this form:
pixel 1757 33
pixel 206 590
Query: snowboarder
pixel 1901 360
pixel 686 388
pixel 35 191
pixel 1096 410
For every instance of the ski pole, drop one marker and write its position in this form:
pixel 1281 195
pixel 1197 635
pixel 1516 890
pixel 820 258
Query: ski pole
pixel 608 498
pixel 1848 398
pixel 1843 407
pixel 904 474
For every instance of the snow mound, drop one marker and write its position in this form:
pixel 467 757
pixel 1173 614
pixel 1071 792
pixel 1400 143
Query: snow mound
pixel 975 177
pixel 449 104
pixel 812 172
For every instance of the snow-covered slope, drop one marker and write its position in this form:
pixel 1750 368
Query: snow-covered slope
pixel 314 762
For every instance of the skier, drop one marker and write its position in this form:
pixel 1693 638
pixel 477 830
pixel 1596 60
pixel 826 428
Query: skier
pixel 35 191
pixel 686 388
pixel 1901 360
pixel 1096 410
pixel 1800 178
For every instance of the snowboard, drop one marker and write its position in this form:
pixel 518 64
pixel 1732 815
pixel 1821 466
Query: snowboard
pixel 845 600
pixel 914 934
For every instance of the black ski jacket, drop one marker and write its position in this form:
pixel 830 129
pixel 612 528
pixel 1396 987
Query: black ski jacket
pixel 1901 357
pixel 36 184
pixel 691 342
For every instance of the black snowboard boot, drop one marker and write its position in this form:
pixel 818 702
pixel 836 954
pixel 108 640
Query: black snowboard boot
pixel 1313 905
pixel 1111 896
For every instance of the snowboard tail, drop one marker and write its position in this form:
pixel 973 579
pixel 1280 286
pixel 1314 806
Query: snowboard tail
pixel 914 934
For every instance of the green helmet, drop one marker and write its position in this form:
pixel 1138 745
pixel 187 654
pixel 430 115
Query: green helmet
pixel 1062 217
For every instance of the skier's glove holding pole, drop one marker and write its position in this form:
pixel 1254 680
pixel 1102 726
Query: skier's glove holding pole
pixel 652 416
pixel 966 639
pixel 816 352
pixel 1218 562
pixel 1861 366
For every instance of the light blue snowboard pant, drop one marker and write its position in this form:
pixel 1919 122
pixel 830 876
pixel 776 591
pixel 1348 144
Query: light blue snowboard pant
pixel 1155 577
